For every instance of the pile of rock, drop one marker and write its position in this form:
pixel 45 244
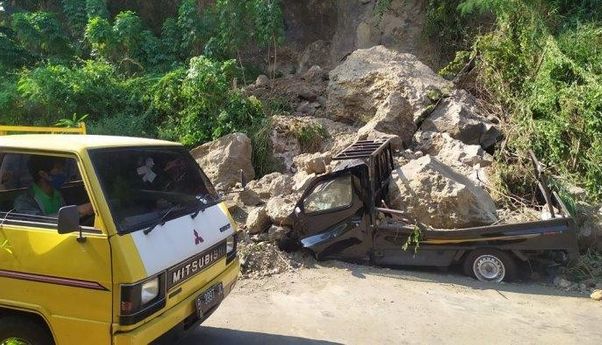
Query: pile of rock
pixel 441 136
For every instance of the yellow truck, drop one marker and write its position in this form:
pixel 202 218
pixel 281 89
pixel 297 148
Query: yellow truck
pixel 107 240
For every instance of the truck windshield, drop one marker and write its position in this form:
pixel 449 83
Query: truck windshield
pixel 142 184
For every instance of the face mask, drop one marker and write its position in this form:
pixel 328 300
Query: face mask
pixel 57 180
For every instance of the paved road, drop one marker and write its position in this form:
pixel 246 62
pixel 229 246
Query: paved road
pixel 347 304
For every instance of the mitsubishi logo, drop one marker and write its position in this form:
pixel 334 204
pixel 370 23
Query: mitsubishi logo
pixel 197 238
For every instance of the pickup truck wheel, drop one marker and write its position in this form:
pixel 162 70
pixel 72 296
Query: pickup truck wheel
pixel 17 330
pixel 490 265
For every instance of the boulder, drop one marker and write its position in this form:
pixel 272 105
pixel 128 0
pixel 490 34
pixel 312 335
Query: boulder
pixel 271 185
pixel 462 118
pixel 434 194
pixel 313 163
pixel 262 80
pixel 284 137
pixel 248 197
pixel 315 73
pixel 258 220
pixel 276 233
pixel 367 78
pixel 470 160
pixel 316 53
pixel 394 116
pixel 596 295
pixel 224 158
pixel 280 208
pixel 302 180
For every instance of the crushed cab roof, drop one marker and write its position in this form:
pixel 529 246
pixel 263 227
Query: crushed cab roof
pixel 74 142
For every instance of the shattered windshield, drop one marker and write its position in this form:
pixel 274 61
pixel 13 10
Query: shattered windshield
pixel 145 185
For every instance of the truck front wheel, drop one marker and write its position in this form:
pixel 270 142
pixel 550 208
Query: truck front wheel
pixel 490 265
pixel 18 330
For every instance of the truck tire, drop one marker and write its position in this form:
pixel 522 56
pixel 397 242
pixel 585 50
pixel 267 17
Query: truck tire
pixel 490 265
pixel 20 330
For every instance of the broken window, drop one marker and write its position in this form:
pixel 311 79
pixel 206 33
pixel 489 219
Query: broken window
pixel 330 195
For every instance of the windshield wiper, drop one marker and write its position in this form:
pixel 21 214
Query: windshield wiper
pixel 161 221
pixel 204 203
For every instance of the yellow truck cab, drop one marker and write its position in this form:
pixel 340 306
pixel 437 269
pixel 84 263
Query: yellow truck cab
pixel 107 240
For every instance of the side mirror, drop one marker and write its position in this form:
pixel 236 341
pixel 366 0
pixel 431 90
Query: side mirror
pixel 69 220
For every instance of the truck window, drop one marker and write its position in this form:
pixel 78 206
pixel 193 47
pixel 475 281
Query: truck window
pixel 329 195
pixel 144 185
pixel 34 187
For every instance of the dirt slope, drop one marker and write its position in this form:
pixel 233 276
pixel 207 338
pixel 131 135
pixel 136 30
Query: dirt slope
pixel 348 304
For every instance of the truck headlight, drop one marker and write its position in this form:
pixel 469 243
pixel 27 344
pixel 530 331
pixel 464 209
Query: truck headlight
pixel 149 291
pixel 141 299
pixel 231 247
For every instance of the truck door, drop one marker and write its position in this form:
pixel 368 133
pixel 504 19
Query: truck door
pixel 66 280
pixel 330 218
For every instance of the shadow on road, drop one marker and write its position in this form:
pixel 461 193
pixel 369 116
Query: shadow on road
pixel 213 335
pixel 451 276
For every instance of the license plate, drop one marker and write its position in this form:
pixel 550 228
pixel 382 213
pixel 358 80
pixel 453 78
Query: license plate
pixel 209 299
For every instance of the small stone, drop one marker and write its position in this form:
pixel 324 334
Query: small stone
pixel 258 220
pixel 596 295
pixel 276 233
pixel 262 80
pixel 562 283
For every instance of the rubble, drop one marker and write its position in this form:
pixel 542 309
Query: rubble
pixel 313 163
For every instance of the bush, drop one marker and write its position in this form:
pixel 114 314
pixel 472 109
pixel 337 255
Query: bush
pixel 542 63
pixel 199 104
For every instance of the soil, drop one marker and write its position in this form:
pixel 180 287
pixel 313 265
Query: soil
pixel 338 303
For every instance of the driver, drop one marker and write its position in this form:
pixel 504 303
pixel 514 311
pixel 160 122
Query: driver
pixel 43 197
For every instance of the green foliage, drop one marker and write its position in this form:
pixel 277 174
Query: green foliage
pixel 77 18
pixel 269 20
pixel 128 81
pixel 542 63
pixel 40 33
pixel 381 7
pixel 126 43
pixel 413 240
pixel 200 105
pixel 11 53
pixel 263 160
pixel 97 8
pixel 310 136
pixel 72 122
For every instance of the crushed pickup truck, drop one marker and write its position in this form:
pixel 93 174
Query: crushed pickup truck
pixel 343 215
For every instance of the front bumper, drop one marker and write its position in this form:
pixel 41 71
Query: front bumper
pixel 177 314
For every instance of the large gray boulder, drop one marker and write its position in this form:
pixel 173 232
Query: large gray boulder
pixel 359 86
pixel 395 117
pixel 432 193
pixel 224 158
pixel 469 160
pixel 273 184
pixel 462 118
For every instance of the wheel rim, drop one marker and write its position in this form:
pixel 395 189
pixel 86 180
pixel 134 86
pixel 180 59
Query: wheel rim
pixel 14 341
pixel 489 268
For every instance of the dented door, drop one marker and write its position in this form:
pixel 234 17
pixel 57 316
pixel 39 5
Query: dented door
pixel 331 219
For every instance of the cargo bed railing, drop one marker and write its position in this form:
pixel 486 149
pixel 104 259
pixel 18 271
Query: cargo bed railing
pixel 81 129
